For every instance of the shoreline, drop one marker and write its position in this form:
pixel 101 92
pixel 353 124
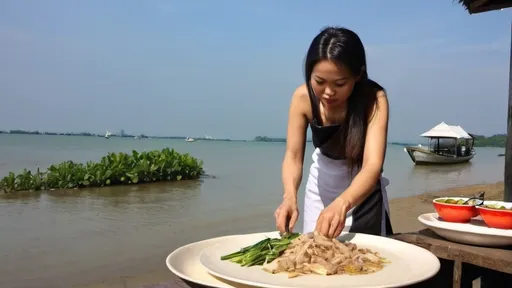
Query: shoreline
pixel 264 139
pixel 404 213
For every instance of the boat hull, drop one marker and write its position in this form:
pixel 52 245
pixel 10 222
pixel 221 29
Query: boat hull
pixel 420 156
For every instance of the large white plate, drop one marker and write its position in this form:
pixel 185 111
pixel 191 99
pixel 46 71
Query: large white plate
pixel 409 264
pixel 184 263
pixel 474 233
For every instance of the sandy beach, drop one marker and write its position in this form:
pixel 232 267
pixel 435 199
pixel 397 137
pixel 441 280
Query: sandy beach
pixel 404 213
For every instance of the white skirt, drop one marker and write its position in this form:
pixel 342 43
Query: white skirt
pixel 328 178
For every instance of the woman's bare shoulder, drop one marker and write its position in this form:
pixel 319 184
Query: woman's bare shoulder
pixel 301 98
pixel 300 104
pixel 301 92
pixel 377 89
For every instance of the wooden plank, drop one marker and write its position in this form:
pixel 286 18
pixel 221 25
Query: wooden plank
pixel 477 3
pixel 489 6
pixel 492 258
pixel 508 151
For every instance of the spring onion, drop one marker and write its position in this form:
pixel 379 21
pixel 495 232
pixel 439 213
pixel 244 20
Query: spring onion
pixel 265 251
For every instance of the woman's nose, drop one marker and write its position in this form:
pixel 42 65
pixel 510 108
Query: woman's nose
pixel 329 91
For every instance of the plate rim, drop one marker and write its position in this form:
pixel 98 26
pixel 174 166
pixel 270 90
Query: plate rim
pixel 175 251
pixel 266 285
pixel 183 247
pixel 478 231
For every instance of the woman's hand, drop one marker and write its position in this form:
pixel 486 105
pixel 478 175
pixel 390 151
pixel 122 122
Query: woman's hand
pixel 286 211
pixel 331 221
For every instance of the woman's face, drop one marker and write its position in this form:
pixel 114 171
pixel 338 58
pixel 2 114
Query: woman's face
pixel 332 84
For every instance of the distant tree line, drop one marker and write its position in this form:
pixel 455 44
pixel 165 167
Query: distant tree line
pixel 121 134
pixel 271 139
pixel 24 132
pixel 498 140
pixel 268 139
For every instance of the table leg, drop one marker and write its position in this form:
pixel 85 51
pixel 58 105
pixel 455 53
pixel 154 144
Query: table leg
pixel 457 273
pixel 477 283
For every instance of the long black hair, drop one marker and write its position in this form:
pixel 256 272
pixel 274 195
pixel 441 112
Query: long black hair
pixel 343 47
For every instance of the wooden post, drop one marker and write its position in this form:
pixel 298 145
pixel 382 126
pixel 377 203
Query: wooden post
pixel 457 272
pixel 508 151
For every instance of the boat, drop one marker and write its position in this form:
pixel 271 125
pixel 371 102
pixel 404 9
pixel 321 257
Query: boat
pixel 448 144
pixel 108 134
pixel 207 137
pixel 190 139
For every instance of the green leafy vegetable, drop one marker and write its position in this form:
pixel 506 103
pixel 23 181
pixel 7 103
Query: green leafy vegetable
pixel 265 251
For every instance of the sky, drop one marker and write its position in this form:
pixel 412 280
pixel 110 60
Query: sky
pixel 228 68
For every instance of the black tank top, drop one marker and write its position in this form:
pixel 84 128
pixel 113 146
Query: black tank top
pixel 326 138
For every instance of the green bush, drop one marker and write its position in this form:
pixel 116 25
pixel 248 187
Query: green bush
pixel 112 169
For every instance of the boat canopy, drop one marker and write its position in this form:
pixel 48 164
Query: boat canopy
pixel 444 130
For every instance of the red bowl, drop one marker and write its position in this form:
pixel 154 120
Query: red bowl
pixel 455 212
pixel 496 218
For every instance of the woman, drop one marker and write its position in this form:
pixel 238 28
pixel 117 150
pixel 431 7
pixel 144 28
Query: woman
pixel 348 116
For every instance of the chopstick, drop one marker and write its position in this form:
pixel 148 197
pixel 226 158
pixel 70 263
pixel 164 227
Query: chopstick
pixel 479 196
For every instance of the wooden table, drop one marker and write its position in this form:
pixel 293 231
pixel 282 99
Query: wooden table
pixel 461 265
pixel 492 267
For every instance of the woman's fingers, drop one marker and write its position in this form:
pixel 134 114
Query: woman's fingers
pixel 293 220
pixel 341 225
pixel 318 224
pixel 323 225
pixel 276 215
pixel 339 228
pixel 281 221
pixel 334 223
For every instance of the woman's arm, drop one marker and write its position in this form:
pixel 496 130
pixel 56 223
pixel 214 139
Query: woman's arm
pixel 295 144
pixel 373 159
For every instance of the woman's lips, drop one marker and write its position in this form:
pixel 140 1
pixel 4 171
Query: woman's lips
pixel 330 101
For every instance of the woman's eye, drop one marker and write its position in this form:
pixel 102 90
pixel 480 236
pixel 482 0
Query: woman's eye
pixel 319 82
pixel 340 84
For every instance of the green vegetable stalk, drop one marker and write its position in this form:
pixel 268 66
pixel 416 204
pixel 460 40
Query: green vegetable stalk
pixel 265 251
